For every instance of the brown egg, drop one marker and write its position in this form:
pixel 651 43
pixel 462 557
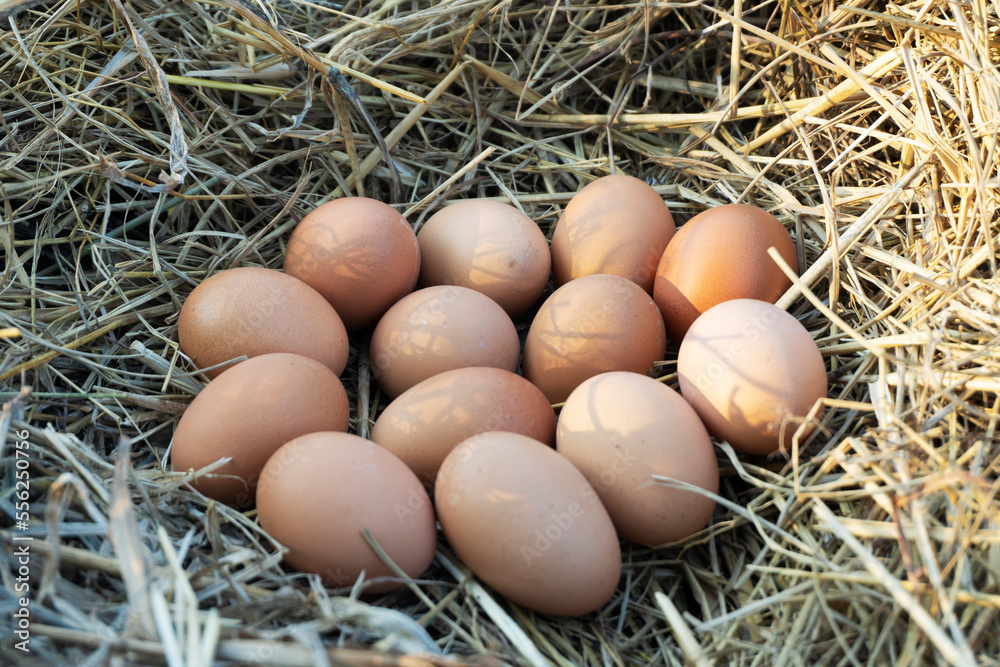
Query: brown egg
pixel 320 491
pixel 247 413
pixel 487 246
pixel 617 225
pixel 360 254
pixel 526 522
pixel 438 329
pixel 427 421
pixel 592 325
pixel 621 428
pixel 752 372
pixel 718 255
pixel 256 311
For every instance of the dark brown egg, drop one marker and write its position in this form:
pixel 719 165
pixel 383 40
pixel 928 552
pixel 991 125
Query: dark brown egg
pixel 718 255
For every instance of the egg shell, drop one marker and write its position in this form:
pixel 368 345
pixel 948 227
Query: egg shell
pixel 528 523
pixel 752 372
pixel 621 428
pixel 487 246
pixel 718 255
pixel 252 311
pixel 617 225
pixel 247 413
pixel 439 329
pixel 320 491
pixel 427 421
pixel 592 325
pixel 359 253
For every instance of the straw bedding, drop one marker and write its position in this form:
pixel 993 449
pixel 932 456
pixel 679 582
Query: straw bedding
pixel 146 145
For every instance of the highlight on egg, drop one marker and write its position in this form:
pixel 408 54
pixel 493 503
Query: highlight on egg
pixel 620 430
pixel 752 372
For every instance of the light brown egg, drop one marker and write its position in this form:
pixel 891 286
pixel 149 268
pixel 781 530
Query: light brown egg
pixel 528 523
pixel 439 329
pixel 487 246
pixel 427 421
pixel 254 311
pixel 619 429
pixel 617 225
pixel 752 372
pixel 718 255
pixel 320 491
pixel 592 325
pixel 359 253
pixel 247 413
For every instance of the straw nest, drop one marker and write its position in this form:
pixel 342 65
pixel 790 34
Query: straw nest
pixel 146 145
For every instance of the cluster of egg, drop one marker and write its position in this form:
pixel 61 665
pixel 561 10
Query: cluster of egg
pixel 535 505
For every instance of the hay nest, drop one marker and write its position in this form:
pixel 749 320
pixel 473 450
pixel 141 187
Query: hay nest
pixel 146 145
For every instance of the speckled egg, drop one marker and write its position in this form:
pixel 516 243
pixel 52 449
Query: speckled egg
pixel 252 311
pixel 619 429
pixel 247 413
pixel 359 253
pixel 528 523
pixel 320 491
pixel 427 421
pixel 752 372
pixel 488 246
pixel 439 329
pixel 718 255
pixel 616 224
pixel 592 325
